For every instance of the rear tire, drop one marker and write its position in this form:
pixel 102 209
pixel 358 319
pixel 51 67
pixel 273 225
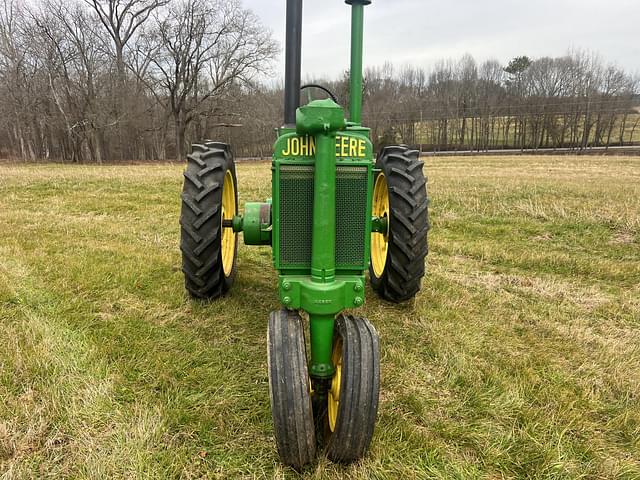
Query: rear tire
pixel 209 272
pixel 356 343
pixel 400 266
pixel 289 389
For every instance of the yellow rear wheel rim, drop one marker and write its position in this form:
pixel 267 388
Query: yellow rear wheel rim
pixel 334 393
pixel 380 240
pixel 229 210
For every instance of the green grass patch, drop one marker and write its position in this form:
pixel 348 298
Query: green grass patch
pixel 520 358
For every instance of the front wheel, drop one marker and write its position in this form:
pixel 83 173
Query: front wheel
pixel 290 389
pixel 352 401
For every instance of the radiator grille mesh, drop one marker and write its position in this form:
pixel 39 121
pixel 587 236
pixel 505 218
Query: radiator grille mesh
pixel 296 212
pixel 296 216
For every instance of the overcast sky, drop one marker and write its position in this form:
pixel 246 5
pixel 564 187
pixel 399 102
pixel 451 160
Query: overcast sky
pixel 424 31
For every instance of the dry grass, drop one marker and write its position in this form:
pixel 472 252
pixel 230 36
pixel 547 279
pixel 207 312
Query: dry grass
pixel 520 358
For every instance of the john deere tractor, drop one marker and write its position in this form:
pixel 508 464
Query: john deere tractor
pixel 335 213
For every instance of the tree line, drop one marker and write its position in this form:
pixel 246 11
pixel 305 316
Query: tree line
pixel 574 101
pixel 121 80
pixel 96 80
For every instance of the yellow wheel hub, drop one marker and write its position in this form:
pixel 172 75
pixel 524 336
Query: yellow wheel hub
pixel 380 240
pixel 334 393
pixel 229 210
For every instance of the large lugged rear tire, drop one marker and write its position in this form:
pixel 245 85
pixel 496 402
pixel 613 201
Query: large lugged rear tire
pixel 209 196
pixel 289 389
pixel 398 255
pixel 352 404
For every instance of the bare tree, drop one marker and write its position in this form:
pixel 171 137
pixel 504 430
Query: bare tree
pixel 122 19
pixel 67 34
pixel 18 74
pixel 206 47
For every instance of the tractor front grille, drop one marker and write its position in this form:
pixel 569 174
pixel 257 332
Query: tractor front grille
pixel 296 216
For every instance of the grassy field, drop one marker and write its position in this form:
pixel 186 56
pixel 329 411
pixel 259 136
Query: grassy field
pixel 520 358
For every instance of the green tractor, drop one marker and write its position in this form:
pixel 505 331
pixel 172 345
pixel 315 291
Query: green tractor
pixel 336 211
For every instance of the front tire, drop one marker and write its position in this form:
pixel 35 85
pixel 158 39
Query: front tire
pixel 398 254
pixel 209 197
pixel 289 389
pixel 352 403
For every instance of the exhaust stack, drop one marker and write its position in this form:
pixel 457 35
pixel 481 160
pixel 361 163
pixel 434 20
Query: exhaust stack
pixel 293 62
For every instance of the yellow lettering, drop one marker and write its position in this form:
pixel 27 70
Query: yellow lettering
pixel 344 147
pixel 353 147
